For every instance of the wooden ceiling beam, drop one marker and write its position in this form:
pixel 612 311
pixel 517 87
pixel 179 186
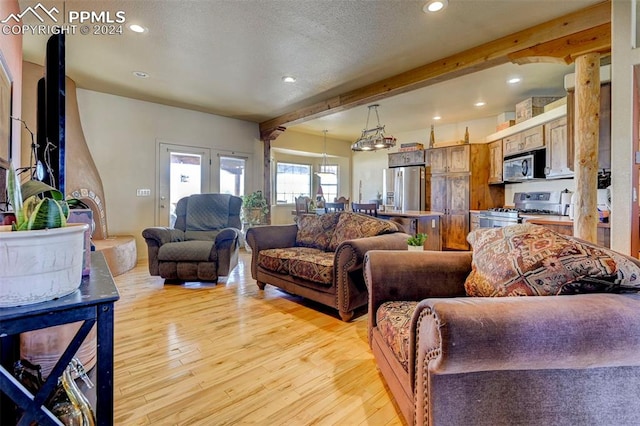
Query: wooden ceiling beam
pixel 566 49
pixel 481 57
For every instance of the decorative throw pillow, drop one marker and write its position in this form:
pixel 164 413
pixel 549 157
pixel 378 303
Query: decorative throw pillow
pixel 352 226
pixel 315 231
pixel 531 260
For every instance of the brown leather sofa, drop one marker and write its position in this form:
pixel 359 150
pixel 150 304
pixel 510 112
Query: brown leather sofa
pixel 457 360
pixel 320 258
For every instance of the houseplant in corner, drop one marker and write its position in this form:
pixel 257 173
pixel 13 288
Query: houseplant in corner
pixel 416 242
pixel 40 257
pixel 254 208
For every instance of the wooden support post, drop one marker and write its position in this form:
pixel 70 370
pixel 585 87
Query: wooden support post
pixel 267 136
pixel 587 133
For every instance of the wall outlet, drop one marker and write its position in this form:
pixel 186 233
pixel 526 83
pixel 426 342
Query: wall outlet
pixel 143 192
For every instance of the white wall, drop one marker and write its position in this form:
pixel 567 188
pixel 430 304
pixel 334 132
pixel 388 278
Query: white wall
pixel 304 148
pixel 123 135
pixel 624 57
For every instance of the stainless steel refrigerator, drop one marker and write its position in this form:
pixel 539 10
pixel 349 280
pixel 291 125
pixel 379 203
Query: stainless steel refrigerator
pixel 408 186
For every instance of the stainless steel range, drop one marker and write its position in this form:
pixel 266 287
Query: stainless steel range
pixel 542 203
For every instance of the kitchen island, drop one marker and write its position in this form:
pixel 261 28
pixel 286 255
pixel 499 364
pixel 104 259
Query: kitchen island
pixel 418 222
pixel 564 225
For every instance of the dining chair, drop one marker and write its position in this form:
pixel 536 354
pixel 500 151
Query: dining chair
pixel 333 207
pixel 366 208
pixel 302 205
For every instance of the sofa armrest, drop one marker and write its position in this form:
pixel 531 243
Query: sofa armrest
pixel 413 276
pixel 155 237
pixel 268 237
pixel 489 336
pixel 160 235
pixel 349 260
pixel 226 237
pixel 571 331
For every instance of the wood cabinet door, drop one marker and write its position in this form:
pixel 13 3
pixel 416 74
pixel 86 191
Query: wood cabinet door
pixel 495 162
pixel 513 144
pixel 458 194
pixel 533 138
pixel 457 231
pixel 559 149
pixel 439 193
pixel 458 159
pixel 395 159
pixel 438 160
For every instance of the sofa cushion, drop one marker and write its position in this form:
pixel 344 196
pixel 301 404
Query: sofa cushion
pixel 352 226
pixel 531 260
pixel 303 262
pixel 393 322
pixel 187 251
pixel 316 230
pixel 316 266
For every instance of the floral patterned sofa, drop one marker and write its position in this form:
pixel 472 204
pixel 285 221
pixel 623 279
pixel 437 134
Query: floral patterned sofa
pixel 450 358
pixel 320 258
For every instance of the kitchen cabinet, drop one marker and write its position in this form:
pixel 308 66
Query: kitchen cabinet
pixel 495 162
pixel 407 158
pixel 604 141
pixel 458 184
pixel 559 150
pixel 524 141
pixel 452 159
pixel 474 221
pixel 414 222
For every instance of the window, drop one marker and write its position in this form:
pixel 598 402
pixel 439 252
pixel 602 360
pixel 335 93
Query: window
pixel 292 180
pixel 329 183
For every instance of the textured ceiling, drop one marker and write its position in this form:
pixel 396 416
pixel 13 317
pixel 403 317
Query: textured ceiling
pixel 228 56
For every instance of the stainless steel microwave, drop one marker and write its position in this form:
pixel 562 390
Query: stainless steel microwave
pixel 525 166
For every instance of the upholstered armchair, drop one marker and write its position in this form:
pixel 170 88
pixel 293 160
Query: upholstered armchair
pixel 204 242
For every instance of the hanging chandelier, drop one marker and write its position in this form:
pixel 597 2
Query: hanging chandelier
pixel 324 169
pixel 374 138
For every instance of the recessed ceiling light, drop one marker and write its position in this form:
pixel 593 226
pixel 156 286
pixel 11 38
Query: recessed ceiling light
pixel 141 74
pixel 289 79
pixel 137 28
pixel 435 6
pixel 437 117
pixel 480 104
pixel 514 80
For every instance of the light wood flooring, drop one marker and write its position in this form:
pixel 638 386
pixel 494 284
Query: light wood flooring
pixel 227 354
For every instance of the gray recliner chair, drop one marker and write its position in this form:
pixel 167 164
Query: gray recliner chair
pixel 204 242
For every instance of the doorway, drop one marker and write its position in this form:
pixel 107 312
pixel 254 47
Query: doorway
pixel 183 171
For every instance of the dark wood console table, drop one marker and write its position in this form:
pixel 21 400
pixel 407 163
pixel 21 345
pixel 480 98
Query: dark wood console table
pixel 91 303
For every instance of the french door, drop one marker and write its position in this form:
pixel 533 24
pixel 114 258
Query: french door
pixel 183 171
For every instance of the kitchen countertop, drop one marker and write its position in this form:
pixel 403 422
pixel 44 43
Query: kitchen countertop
pixel 408 213
pixel 553 220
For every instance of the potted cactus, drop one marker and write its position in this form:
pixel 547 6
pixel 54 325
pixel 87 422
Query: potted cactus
pixel 40 257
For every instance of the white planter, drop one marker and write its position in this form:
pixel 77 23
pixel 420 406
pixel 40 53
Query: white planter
pixel 415 248
pixel 36 266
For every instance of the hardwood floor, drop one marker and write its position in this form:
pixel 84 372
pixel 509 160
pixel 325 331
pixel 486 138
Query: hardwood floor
pixel 232 354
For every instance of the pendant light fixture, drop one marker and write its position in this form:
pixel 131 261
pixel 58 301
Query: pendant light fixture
pixel 324 169
pixel 373 139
